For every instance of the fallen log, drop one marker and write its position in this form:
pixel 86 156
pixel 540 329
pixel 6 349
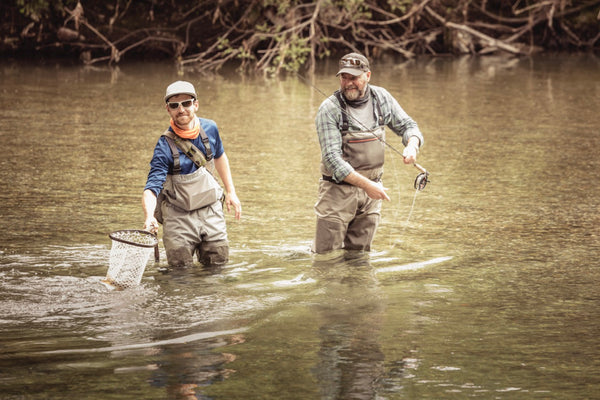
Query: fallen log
pixel 496 43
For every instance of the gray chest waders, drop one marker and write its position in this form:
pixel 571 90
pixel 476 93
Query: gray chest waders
pixel 190 191
pixel 363 150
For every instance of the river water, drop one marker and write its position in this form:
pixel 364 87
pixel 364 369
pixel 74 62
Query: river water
pixel 484 285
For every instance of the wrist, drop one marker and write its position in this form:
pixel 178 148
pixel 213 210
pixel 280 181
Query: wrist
pixel 414 142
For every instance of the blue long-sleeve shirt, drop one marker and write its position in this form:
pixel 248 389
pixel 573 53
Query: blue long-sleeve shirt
pixel 328 123
pixel 162 160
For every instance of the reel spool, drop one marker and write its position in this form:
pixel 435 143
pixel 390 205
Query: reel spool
pixel 421 181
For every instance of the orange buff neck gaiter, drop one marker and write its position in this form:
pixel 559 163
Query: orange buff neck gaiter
pixel 186 134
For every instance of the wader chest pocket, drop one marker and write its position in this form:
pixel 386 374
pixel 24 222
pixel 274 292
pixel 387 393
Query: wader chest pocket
pixel 192 191
pixel 363 150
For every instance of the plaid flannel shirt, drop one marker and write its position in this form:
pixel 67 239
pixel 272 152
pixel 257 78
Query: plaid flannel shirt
pixel 329 121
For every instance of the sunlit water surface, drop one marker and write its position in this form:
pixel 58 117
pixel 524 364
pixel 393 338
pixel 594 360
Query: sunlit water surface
pixel 487 288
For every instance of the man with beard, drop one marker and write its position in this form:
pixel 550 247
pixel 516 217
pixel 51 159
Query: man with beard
pixel 181 191
pixel 351 130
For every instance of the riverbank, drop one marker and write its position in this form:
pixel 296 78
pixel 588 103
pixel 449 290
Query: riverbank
pixel 293 36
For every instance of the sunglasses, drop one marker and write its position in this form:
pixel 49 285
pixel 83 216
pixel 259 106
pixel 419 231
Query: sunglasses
pixel 353 63
pixel 174 105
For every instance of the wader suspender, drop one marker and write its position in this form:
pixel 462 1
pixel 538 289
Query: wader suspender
pixel 188 149
pixel 345 125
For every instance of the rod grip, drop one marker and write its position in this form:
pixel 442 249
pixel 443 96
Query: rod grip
pixel 417 166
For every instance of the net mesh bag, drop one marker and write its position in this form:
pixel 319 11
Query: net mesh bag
pixel 129 255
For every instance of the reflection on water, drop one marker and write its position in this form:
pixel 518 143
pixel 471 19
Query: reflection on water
pixel 487 288
pixel 350 314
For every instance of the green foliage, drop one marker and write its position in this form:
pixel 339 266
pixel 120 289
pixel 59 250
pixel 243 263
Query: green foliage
pixel 40 10
pixel 283 6
pixel 244 53
pixel 400 6
pixel 292 56
pixel 34 9
pixel 223 45
pixel 357 9
pixel 263 27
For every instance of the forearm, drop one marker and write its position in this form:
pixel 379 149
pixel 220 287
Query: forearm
pixel 330 141
pixel 356 179
pixel 331 155
pixel 336 165
pixel 148 203
pixel 374 190
pixel 398 120
pixel 224 171
pixel 414 143
pixel 231 199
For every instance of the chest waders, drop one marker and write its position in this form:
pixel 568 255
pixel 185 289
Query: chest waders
pixel 364 149
pixel 346 217
pixel 190 210
pixel 190 191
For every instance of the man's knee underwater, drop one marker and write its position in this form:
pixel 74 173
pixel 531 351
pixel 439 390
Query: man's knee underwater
pixel 215 253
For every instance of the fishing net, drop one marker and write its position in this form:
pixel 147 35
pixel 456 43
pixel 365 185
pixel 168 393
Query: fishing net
pixel 129 255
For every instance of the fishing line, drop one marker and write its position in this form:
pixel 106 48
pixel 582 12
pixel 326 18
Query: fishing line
pixel 412 206
pixel 396 210
pixel 421 180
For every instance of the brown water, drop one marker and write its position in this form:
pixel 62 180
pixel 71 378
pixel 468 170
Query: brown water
pixel 490 290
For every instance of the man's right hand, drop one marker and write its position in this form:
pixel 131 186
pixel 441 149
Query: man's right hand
pixel 151 225
pixel 374 190
pixel 377 191
pixel 149 205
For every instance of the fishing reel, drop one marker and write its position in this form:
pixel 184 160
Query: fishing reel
pixel 422 179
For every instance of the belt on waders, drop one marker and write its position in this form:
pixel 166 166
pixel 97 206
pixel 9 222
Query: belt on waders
pixel 330 179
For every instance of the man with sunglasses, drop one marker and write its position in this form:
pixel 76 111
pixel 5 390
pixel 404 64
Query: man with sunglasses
pixel 181 190
pixel 351 129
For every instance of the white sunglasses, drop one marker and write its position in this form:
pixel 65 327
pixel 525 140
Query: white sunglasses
pixel 174 105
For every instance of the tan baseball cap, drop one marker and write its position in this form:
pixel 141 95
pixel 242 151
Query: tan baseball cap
pixel 180 87
pixel 353 64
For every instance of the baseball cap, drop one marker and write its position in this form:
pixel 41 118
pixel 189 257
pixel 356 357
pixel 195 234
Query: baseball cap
pixel 353 64
pixel 180 87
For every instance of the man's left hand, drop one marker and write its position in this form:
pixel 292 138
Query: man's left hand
pixel 231 200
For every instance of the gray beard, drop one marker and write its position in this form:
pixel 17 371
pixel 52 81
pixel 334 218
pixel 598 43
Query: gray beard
pixel 353 95
pixel 359 100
